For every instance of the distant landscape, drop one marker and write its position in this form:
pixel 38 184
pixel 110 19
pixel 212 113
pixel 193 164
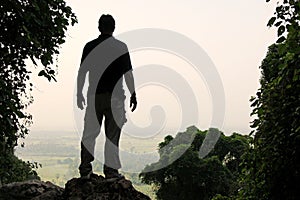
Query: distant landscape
pixel 59 155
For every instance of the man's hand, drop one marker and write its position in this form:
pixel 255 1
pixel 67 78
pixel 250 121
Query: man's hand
pixel 133 102
pixel 80 101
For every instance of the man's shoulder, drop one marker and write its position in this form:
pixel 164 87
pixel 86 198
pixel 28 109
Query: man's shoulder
pixel 92 43
pixel 95 42
pixel 120 43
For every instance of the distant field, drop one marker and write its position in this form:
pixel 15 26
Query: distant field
pixel 51 169
pixel 59 155
pixel 59 173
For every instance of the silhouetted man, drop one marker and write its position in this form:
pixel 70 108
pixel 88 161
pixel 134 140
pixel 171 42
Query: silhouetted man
pixel 106 60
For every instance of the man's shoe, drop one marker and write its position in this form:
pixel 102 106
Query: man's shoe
pixel 114 176
pixel 111 173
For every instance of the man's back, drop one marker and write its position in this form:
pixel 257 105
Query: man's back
pixel 108 62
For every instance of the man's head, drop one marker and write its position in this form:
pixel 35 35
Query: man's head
pixel 106 24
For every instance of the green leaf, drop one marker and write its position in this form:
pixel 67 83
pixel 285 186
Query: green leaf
pixel 254 103
pixel 271 21
pixel 48 77
pixel 42 73
pixel 281 39
pixel 252 98
pixel 32 59
pixel 281 30
pixel 53 77
pixel 279 80
pixel 278 23
pixel 296 77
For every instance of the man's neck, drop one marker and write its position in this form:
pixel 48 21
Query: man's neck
pixel 106 33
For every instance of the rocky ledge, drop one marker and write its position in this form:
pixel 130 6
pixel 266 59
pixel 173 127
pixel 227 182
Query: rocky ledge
pixel 96 188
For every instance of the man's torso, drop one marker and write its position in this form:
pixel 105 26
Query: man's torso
pixel 107 76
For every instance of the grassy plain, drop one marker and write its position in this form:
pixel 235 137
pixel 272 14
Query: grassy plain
pixel 58 153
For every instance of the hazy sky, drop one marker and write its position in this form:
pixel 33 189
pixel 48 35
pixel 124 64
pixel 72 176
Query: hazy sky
pixel 233 33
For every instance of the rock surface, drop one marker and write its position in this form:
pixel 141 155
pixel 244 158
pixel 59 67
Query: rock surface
pixel 99 188
pixel 96 188
pixel 33 190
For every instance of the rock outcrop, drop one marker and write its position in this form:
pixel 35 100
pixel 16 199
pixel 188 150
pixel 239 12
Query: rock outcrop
pixel 99 188
pixel 33 190
pixel 95 188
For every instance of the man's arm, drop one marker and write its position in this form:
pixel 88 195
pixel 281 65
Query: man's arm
pixel 130 84
pixel 80 79
pixel 80 83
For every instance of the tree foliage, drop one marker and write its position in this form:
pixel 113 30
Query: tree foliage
pixel 271 168
pixel 191 177
pixel 14 169
pixel 30 30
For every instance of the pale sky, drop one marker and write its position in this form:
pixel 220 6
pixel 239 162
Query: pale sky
pixel 233 33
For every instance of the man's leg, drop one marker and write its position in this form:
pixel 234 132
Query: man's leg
pixel 111 149
pixel 92 125
pixel 114 120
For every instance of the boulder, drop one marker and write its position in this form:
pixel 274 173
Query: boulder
pixel 99 188
pixel 32 189
pixel 95 188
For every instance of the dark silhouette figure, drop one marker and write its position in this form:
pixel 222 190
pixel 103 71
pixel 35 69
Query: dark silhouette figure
pixel 106 60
